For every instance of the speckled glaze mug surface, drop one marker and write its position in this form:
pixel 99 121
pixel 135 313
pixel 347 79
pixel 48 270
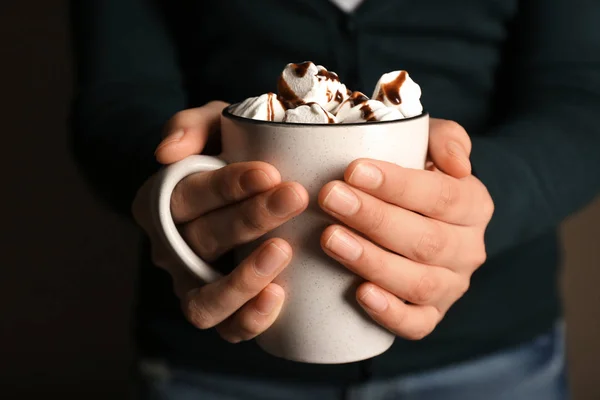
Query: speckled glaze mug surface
pixel 321 321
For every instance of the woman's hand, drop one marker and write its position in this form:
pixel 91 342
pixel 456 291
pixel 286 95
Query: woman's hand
pixel 419 233
pixel 217 211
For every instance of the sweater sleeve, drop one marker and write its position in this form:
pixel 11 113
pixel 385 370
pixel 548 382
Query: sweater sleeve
pixel 542 162
pixel 128 85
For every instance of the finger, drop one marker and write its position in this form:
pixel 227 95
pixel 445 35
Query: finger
pixel 409 280
pixel 409 321
pixel 449 147
pixel 417 237
pixel 211 304
pixel 188 131
pixel 430 193
pixel 254 317
pixel 217 232
pixel 200 193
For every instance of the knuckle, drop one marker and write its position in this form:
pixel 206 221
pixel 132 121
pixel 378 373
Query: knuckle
pixel 218 104
pixel 455 129
pixel 488 207
pixel 421 332
pixel 240 284
pixel 485 202
pixel 430 245
pixel 378 270
pixel 425 290
pixel 399 321
pixel 448 196
pixel 199 315
pixel 400 186
pixel 476 255
pixel 178 118
pixel 377 219
pixel 254 217
pixel 463 287
pixel 200 236
pixel 479 256
pixel 178 201
pixel 224 187
pixel 417 334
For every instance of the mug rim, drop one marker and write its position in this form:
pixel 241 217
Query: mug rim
pixel 228 114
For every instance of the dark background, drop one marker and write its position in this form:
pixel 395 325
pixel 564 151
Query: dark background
pixel 68 266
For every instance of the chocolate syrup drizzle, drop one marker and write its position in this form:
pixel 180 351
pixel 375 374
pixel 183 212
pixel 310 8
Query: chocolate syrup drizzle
pixel 391 90
pixel 287 97
pixel 329 95
pixel 301 69
pixel 284 103
pixel 270 111
pixel 328 75
pixel 367 113
pixel 357 98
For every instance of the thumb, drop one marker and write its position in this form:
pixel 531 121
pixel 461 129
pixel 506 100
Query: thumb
pixel 449 148
pixel 188 131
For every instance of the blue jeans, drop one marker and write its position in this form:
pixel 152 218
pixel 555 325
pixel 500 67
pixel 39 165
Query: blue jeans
pixel 532 371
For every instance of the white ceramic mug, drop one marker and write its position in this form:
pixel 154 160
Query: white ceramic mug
pixel 320 321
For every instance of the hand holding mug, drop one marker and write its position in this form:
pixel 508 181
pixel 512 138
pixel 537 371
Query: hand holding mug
pixel 422 232
pixel 215 212
pixel 318 323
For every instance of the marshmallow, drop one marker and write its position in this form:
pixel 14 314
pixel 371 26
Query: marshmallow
pixel 266 107
pixel 396 89
pixel 311 113
pixel 309 93
pixel 368 111
pixel 298 84
pixel 355 99
pixel 336 91
pixel 309 83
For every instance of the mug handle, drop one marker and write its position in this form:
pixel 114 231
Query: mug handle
pixel 166 181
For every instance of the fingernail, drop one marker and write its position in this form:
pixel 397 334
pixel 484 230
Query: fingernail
pixel 284 202
pixel 344 245
pixel 265 304
pixel 458 152
pixel 366 175
pixel 270 259
pixel 255 181
pixel 374 300
pixel 172 138
pixel 341 200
